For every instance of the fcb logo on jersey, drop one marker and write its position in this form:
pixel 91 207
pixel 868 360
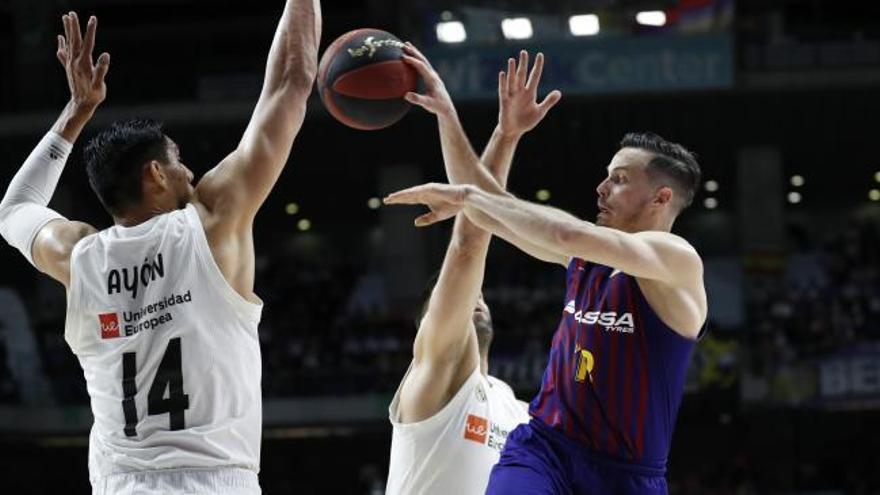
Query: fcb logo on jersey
pixel 109 325
pixel 476 428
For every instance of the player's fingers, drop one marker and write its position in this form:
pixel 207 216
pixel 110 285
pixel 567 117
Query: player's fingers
pixel 550 101
pixel 75 34
pixel 61 52
pixel 427 219
pixel 411 195
pixel 422 68
pixel 535 76
pixel 401 199
pixel 417 99
pixel 68 32
pixel 502 85
pixel 521 68
pixel 89 42
pixel 101 69
pixel 65 22
pixel 412 50
pixel 511 74
pixel 404 197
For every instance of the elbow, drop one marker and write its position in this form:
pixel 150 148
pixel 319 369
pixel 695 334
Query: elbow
pixel 6 210
pixel 306 71
pixel 569 237
pixel 564 235
pixel 300 77
pixel 466 245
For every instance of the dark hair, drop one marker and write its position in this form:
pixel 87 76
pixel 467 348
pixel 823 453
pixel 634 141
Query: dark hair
pixel 671 160
pixel 115 159
pixel 484 335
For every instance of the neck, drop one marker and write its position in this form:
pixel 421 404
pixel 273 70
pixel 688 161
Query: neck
pixel 141 215
pixel 661 224
pixel 484 365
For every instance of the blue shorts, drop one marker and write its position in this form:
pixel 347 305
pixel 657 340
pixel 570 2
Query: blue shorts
pixel 539 460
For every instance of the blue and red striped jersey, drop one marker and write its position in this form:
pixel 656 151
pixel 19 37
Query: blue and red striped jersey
pixel 616 373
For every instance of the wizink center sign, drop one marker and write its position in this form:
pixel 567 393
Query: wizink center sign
pixel 645 64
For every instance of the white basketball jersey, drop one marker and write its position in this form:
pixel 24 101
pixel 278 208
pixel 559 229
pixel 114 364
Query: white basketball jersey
pixel 453 451
pixel 169 350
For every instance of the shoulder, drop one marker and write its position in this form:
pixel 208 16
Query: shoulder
pixel 499 386
pixel 667 239
pixel 674 251
pixel 58 237
pixel 54 245
pixel 218 216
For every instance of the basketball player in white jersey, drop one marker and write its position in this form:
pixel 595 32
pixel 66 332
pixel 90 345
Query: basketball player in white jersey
pixel 450 418
pixel 161 311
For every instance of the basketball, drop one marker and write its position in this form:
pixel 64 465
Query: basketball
pixel 362 79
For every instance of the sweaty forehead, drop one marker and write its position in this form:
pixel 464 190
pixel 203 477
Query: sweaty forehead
pixel 630 159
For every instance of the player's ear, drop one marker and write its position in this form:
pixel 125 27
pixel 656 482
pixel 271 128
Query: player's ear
pixel 155 173
pixel 664 195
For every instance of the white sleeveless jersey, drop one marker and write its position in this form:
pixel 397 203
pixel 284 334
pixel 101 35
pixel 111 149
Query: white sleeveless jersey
pixel 169 350
pixel 453 451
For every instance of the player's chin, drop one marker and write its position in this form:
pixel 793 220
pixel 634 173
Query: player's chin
pixel 482 320
pixel 602 219
pixel 186 199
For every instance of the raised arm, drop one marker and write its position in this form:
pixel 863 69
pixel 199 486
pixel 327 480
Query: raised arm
pixel 519 112
pixel 445 349
pixel 237 187
pixel 43 236
pixel 652 255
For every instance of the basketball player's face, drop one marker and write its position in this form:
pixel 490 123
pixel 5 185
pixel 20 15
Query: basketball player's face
pixel 626 192
pixel 181 176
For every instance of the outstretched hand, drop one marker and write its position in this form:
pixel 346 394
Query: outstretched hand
pixel 84 77
pixel 444 201
pixel 435 99
pixel 519 110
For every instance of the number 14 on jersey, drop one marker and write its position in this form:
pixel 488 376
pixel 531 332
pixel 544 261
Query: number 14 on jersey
pixel 168 377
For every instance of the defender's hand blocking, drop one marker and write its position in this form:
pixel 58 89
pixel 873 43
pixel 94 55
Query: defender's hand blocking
pixel 435 99
pixel 518 108
pixel 84 77
pixel 444 200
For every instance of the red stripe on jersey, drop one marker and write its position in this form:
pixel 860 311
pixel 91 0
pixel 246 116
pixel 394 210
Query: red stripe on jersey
pixel 583 389
pixel 628 393
pixel 570 360
pixel 596 428
pixel 568 382
pixel 613 425
pixel 570 417
pixel 643 371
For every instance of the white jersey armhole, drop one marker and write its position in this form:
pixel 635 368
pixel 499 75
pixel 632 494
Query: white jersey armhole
pixel 72 329
pixel 440 416
pixel 247 309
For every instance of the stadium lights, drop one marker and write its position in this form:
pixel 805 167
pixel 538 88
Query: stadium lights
pixel 877 176
pixel 874 195
pixel 710 203
pixel 304 224
pixel 517 28
pixel 374 203
pixel 584 24
pixel 542 195
pixel 794 197
pixel 797 180
pixel 451 32
pixel 711 185
pixel 292 208
pixel 651 18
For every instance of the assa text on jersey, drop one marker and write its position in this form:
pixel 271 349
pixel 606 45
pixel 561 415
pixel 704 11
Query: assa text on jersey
pixel 137 276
